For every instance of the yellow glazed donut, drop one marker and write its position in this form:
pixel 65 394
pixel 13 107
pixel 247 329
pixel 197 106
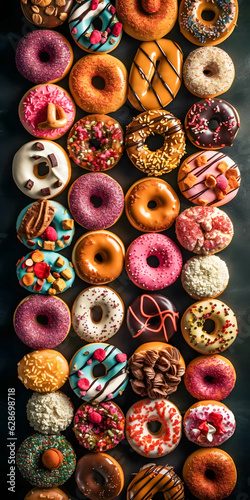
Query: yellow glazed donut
pixel 45 370
pixel 194 326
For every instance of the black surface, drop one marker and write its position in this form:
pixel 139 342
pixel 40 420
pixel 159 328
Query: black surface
pixel 13 136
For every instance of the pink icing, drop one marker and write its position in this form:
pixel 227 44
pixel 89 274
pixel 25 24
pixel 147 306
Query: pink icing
pixel 168 255
pixel 211 378
pixel 209 425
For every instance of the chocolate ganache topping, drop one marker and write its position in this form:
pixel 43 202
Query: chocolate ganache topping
pixel 37 218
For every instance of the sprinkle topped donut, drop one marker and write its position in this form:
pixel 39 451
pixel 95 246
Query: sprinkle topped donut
pixel 43 371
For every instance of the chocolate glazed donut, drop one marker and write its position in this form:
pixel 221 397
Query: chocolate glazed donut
pixel 152 317
pixel 46 13
pixel 99 476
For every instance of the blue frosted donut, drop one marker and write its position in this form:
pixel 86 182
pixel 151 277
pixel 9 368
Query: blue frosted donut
pixel 91 386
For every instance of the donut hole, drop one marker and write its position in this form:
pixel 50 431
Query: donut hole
pixel 154 142
pixel 98 478
pixel 42 319
pixel 96 313
pixel 214 123
pixel 210 70
pixel 208 15
pixel 209 379
pixel 208 326
pixel 154 427
pixel 153 261
pixel 97 24
pixel 98 82
pixel 44 56
pixel 152 204
pixel 210 474
pixel 99 258
pixel 94 143
pixel 41 170
pixel 99 371
pixel 96 201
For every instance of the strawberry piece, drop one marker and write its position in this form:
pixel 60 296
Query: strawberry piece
pixel 117 29
pixel 94 4
pixel 49 234
pixel 95 37
pixel 94 417
pixel 42 270
pixel 121 358
pixel 99 355
pixel 222 182
pixel 83 383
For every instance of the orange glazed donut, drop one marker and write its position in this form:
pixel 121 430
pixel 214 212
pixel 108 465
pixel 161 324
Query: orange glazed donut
pixel 147 19
pixel 90 98
pixel 210 474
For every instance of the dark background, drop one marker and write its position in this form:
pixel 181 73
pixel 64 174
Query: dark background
pixel 236 255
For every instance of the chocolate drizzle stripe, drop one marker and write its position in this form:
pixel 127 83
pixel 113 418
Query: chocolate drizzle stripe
pixel 216 157
pixel 81 16
pixel 172 130
pixel 144 76
pixel 165 56
pixel 108 26
pixel 162 117
pixel 169 474
pixel 147 472
pixel 157 72
pixel 108 383
pixel 137 97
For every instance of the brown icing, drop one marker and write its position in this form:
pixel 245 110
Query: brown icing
pixel 104 466
pixel 37 218
pixel 46 494
pixel 46 13
pixel 152 479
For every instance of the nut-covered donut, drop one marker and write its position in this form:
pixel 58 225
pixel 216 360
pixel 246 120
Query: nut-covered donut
pixel 46 13
pixel 107 468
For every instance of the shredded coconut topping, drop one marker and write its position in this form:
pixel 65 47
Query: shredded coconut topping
pixel 204 276
pixel 49 413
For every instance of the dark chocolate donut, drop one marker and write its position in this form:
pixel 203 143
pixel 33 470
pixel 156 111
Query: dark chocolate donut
pixel 46 13
pixel 152 318
pixel 99 476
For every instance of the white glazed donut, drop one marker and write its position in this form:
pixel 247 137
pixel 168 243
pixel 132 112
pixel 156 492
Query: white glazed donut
pixel 25 169
pixel 112 309
pixel 153 444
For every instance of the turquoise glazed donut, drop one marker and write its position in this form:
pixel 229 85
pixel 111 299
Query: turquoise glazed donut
pixel 90 386
pixel 45 224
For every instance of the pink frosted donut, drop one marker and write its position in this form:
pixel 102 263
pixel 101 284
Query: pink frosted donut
pixel 38 117
pixel 210 377
pixel 96 201
pixel 153 261
pixel 42 322
pixel 44 56
pixel 204 230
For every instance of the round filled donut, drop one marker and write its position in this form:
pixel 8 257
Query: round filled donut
pixel 46 13
pixel 210 377
pixel 98 257
pixel 107 468
pixel 96 201
pixel 44 56
pixel 153 261
pixel 209 326
pixel 157 480
pixel 147 19
pixel 151 205
pixel 96 142
pixel 49 413
pixel 83 19
pixel 42 322
pixel 46 494
pixel 96 358
pixel 167 157
pixel 212 124
pixel 112 76
pixel 47 111
pixel 141 433
pixel 207 22
pixel 50 367
pixel 97 314
pixel 208 72
pixel 204 276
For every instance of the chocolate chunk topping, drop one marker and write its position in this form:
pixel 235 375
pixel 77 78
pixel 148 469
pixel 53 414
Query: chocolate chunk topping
pixel 57 184
pixel 45 191
pixel 37 218
pixel 29 184
pixel 36 157
pixel 39 146
pixel 53 160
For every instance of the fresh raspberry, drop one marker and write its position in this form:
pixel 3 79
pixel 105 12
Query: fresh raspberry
pixel 95 37
pixel 42 270
pixel 94 417
pixel 99 355
pixel 83 383
pixel 117 29
pixel 49 234
pixel 121 358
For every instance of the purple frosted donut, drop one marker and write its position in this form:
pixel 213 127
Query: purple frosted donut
pixel 44 56
pixel 153 261
pixel 96 201
pixel 42 322
pixel 210 377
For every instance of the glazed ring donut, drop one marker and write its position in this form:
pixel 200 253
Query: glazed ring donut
pixel 198 30
pixel 212 124
pixel 46 494
pixel 147 19
pixel 152 479
pixel 204 464
pixel 149 443
pixel 98 257
pixel 208 72
pixel 155 75
pixel 145 193
pixel 164 159
pixel 195 330
pixel 107 468
pixel 90 98
pixel 50 367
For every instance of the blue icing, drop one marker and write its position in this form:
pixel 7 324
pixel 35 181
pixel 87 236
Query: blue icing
pixel 61 214
pixel 50 258
pixel 113 382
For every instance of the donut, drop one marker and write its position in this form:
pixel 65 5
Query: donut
pixel 44 56
pixel 210 474
pixel 204 276
pixel 107 468
pixel 150 123
pixel 41 169
pixel 83 19
pixel 200 318
pixel 204 230
pixel 99 427
pixel 155 479
pixel 45 224
pixel 98 257
pixel 96 142
pixel 47 111
pixel 153 261
pixel 95 71
pixel 155 75
pixel 209 178
pixel 49 413
pixel 46 494
pixel 151 205
pixel 210 377
pixel 157 369
pixel 42 322
pixel 97 314
pixel 147 19
pixel 46 461
pixel 43 371
pixel 152 317
pixel 96 201
pixel 207 22
pixel 208 72
pixel 143 436
pixel 45 272
pixel 212 124
pixel 96 358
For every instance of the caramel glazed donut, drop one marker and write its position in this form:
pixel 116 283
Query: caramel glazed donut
pixel 152 479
